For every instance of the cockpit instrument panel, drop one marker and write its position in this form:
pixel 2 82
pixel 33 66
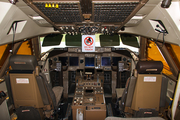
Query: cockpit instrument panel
pixel 89 61
pixel 101 59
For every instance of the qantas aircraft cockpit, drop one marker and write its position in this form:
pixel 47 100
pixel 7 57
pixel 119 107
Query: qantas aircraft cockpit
pixel 89 79
pixel 89 59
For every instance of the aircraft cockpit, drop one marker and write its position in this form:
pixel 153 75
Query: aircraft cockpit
pixel 89 59
pixel 89 78
pixel 106 62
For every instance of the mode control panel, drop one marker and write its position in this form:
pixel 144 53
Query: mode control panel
pixel 87 84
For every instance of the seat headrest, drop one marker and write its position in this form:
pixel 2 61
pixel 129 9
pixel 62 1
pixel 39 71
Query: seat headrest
pixel 23 62
pixel 144 67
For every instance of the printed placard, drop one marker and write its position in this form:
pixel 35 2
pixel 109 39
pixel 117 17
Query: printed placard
pixel 88 43
pixel 22 80
pixel 149 79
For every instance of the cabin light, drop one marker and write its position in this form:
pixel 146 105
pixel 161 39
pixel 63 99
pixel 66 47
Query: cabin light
pixel 13 1
pixel 39 20
pixel 36 17
pixel 138 17
pixel 166 3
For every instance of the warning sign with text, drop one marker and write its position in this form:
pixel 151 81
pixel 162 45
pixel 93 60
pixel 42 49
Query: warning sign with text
pixel 88 43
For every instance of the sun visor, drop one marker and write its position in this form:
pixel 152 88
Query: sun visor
pixel 130 40
pixel 52 39
pixel 109 40
pixel 73 40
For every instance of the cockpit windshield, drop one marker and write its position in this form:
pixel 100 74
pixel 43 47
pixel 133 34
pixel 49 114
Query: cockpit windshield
pixel 98 43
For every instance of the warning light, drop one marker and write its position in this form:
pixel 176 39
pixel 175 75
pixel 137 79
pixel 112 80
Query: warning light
pixel 57 6
pixel 46 5
pixel 53 5
pixel 49 5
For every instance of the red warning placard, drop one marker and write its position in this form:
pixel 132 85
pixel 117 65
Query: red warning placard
pixel 88 43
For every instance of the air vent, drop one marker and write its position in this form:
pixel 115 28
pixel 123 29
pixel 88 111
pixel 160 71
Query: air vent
pixel 18 26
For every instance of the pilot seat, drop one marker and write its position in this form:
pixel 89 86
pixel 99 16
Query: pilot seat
pixel 30 87
pixel 145 92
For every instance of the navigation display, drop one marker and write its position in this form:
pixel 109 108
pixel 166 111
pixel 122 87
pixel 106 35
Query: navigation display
pixel 73 61
pixel 105 61
pixel 63 60
pixel 89 61
pixel 115 60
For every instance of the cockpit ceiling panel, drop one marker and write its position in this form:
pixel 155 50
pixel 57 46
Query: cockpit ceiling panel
pixel 60 12
pixel 113 12
pixel 63 11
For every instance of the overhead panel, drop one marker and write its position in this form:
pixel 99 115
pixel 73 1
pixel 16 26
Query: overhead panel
pixel 60 11
pixel 87 14
pixel 86 8
pixel 113 11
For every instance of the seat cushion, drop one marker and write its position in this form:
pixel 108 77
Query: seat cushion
pixel 58 93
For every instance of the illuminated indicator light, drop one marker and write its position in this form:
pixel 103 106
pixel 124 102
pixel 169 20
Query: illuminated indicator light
pixel 49 5
pixel 53 5
pixel 46 5
pixel 57 6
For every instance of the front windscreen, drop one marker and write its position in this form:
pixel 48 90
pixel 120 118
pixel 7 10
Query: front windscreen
pixel 73 40
pixel 130 40
pixel 106 61
pixel 89 61
pixel 109 40
pixel 73 61
pixel 52 39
